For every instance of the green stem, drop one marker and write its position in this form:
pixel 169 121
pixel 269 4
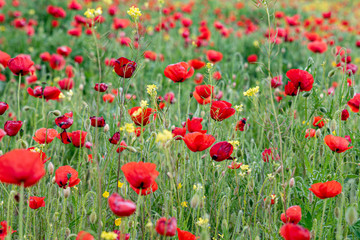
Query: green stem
pixel 21 231
pixel 18 116
pixel 322 219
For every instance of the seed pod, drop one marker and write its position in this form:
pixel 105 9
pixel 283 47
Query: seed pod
pixel 351 215
pixel 323 110
pixel 67 192
pixel 50 168
pixel 93 217
pixel 67 232
pixel 56 113
pixel 336 212
pixel 331 73
pixel 306 94
pixel 26 108
pixel 131 149
pixel 202 114
pixel 170 175
pixel 292 182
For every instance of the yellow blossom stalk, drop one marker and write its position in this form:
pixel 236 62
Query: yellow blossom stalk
pixel 134 12
pixel 252 91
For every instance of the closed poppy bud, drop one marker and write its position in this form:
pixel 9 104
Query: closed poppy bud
pixel 166 227
pixel 12 127
pixel 66 192
pixel 93 217
pixel 121 207
pixel 124 67
pixel 66 176
pixel 351 215
pixel 20 65
pixel 106 128
pixel 221 151
pixel 344 115
pixel 97 121
pixel 50 168
pixel 292 182
pixel 3 107
pixel 101 87
pixel 36 202
pixel 115 138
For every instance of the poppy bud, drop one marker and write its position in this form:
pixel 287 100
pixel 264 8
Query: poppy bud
pixel 131 149
pixel 306 94
pixel 202 114
pixel 170 175
pixel 56 216
pixel 24 144
pixel 336 212
pixel 318 133
pixel 87 124
pixel 67 232
pixel 149 224
pixel 278 170
pixel 310 197
pixel 26 108
pixel 50 168
pixel 93 217
pixel 332 73
pixel 66 192
pixel 106 128
pixel 195 201
pixel 333 125
pixel 53 180
pixel 292 182
pixel 351 215
pixel 56 113
pixel 323 110
pixel 81 87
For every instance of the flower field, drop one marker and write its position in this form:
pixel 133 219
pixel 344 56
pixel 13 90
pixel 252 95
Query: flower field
pixel 195 119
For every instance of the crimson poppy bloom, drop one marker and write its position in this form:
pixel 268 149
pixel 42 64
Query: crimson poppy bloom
pixel 240 125
pixel 252 58
pixel 146 191
pixel 64 51
pixel 197 141
pixel 5 230
pixel 65 137
pixel 97 121
pixel 300 79
pixel 121 207
pixel 194 125
pixel 214 56
pixel 82 235
pixel 337 144
pixel 4 58
pixel 21 166
pixel 20 65
pixel 3 133
pixel 65 121
pixel 36 202
pixel 3 107
pixel 115 138
pixel 166 227
pixel 221 110
pixel 292 231
pixel 267 153
pixel 293 215
pixel 184 235
pixel 57 62
pixel 354 103
pixel 276 81
pixel 204 91
pixel 234 165
pixel 319 122
pixel 122 147
pixel 12 127
pixel 179 72
pixel 290 89
pixel 124 67
pixel 140 116
pixel 49 93
pixel 221 151
pixel 78 138
pixel 101 87
pixel 43 135
pixel 178 132
pixel 66 176
pixel 345 115
pixel 317 46
pixel 196 64
pixel 310 133
pixel 327 189
pixel 66 83
pixel 201 100
pixel 139 174
pixel 122 236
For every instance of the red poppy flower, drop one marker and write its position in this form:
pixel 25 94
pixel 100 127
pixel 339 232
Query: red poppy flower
pixel 124 67
pixel 78 138
pixel 65 137
pixel 20 65
pixel 121 207
pixel 66 176
pixel 310 133
pixel 293 215
pixel 101 87
pixel 3 107
pixel 290 89
pixel 345 115
pixel 49 93
pixel 267 153
pixel 221 151
pixel 138 131
pixel 201 100
pixel 184 235
pixel 140 116
pixel 354 103
pixel 43 135
pixel 169 97
pixel 196 64
pixel 12 127
pixel 115 138
pixel 234 165
pixel 178 132
pixel 221 110
pixel 122 147
pixel 179 72
pixel 317 46
pixel 194 125
pixel 214 56
pixel 65 121
pixel 327 189
pixel 252 58
pixel 300 79
pixel 64 51
pixel 4 230
pixel 146 191
pixel 240 125
pixel 36 202
pixel 4 58
pixel 66 83
pixel 319 122
pixel 292 231
pixel 139 174
pixel 57 62
pixel 166 227
pixel 97 121
pixel 204 91
pixel 21 166
pixel 43 156
pixel 3 133
pixel 198 141
pixel 337 144
pixel 276 81
pixel 150 55
pixel 82 235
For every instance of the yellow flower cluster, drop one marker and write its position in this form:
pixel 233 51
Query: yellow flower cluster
pixel 164 136
pixel 209 66
pixel 118 222
pixel 184 204
pixel 134 12
pixel 239 108
pixel 151 90
pixel 143 104
pixel 202 222
pixel 252 91
pixel 235 144
pixel 91 13
pixel 109 235
pixel 129 127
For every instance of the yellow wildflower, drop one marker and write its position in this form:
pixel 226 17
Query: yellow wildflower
pixel 143 104
pixel 109 235
pixel 164 136
pixel 118 222
pixel 151 90
pixel 106 194
pixel 244 167
pixel 209 66
pixel 98 11
pixel 184 204
pixel 202 222
pixel 134 12
pixel 90 13
pixel 120 184
pixel 239 108
pixel 235 144
pixel 179 186
pixel 252 91
pixel 129 127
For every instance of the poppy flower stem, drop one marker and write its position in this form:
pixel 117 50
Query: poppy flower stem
pixel 322 219
pixel 19 96
pixel 21 209
pixel 179 109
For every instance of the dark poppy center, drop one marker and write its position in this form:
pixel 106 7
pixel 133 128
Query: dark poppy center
pixel 214 157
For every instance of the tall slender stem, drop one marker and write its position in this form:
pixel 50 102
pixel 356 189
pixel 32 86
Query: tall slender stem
pixel 21 232
pixel 322 219
pixel 18 97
